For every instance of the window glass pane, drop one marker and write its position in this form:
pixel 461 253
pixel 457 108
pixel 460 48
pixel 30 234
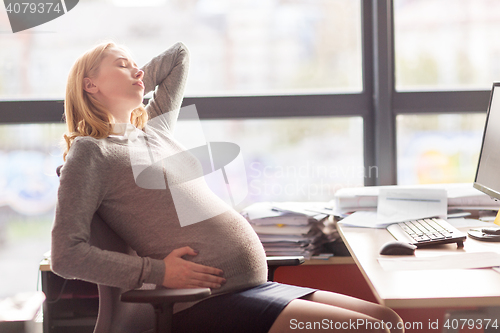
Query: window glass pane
pixel 446 44
pixel 298 159
pixel 237 47
pixel 434 149
pixel 29 155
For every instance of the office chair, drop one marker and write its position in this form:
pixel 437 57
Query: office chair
pixel 146 309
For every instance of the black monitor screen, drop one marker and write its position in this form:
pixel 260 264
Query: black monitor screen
pixel 488 169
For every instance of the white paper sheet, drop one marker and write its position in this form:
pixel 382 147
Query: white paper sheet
pixel 399 205
pixel 363 219
pixel 459 195
pixel 450 261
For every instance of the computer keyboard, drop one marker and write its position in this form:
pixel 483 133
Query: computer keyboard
pixel 427 232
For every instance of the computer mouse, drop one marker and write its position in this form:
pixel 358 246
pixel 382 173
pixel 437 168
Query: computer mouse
pixel 397 248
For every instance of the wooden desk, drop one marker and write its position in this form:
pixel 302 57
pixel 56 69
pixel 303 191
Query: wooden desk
pixel 450 288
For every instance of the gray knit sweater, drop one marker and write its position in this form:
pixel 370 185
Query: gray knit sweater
pixel 98 176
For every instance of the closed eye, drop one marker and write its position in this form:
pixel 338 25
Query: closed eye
pixel 125 63
pixel 122 62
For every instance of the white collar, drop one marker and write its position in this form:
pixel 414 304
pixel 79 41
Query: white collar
pixel 125 131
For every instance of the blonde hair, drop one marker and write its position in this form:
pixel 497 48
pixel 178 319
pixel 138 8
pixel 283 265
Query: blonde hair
pixel 84 115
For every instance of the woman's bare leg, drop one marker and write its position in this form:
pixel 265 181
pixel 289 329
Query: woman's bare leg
pixel 323 310
pixel 355 304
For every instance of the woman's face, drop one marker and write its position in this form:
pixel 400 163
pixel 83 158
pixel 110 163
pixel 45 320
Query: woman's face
pixel 118 84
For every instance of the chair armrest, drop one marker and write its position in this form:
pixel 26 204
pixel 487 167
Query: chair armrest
pixel 274 262
pixel 285 261
pixel 163 302
pixel 157 296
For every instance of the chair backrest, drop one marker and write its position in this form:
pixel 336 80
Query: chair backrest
pixel 114 315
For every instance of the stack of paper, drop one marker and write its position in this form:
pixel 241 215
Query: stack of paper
pixel 291 228
pixel 462 196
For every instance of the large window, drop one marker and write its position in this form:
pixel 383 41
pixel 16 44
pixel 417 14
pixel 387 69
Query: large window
pixel 445 58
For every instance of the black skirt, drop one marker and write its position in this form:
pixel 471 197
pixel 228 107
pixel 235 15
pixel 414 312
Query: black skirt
pixel 252 310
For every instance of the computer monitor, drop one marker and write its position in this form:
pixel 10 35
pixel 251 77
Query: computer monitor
pixel 487 177
pixel 488 169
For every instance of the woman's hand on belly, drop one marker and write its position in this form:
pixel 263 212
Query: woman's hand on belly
pixel 181 273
